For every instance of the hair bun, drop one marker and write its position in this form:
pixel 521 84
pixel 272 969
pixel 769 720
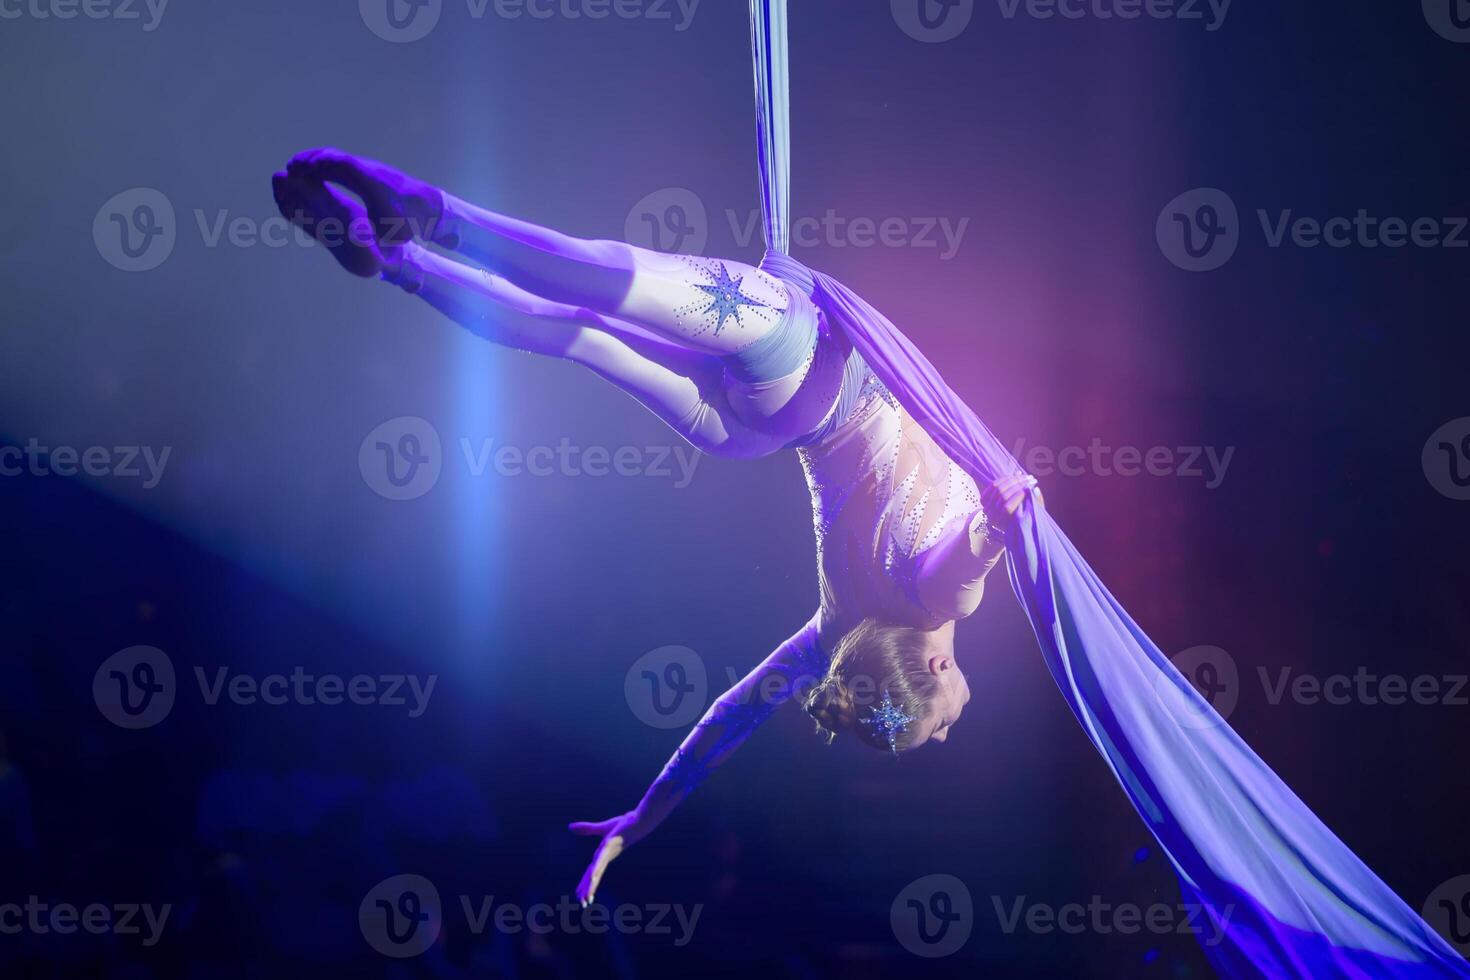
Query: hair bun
pixel 830 704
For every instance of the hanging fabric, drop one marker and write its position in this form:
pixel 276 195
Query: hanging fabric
pixel 1289 898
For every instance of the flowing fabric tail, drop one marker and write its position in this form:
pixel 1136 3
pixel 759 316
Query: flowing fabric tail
pixel 1285 896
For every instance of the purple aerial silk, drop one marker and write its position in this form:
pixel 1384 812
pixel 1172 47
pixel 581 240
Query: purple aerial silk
pixel 1288 896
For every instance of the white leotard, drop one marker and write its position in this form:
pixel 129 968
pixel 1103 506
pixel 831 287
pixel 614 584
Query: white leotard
pixel 884 499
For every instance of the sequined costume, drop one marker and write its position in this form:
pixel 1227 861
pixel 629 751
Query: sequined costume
pixel 755 368
pixel 741 362
pixel 735 715
pixel 731 357
pixel 893 516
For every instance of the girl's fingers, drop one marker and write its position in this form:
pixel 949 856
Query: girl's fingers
pixel 591 878
pixel 610 849
pixel 1008 494
pixel 598 867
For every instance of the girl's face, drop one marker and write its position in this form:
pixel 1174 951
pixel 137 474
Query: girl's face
pixel 954 689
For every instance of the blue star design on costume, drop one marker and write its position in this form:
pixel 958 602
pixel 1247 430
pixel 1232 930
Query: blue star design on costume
pixel 726 297
pixel 888 720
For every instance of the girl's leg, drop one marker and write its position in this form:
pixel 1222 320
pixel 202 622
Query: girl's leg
pixel 682 388
pixel 708 305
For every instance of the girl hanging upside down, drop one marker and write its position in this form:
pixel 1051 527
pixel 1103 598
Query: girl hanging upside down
pixel 740 362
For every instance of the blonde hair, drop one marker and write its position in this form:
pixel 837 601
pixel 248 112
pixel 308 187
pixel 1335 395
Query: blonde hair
pixel 872 659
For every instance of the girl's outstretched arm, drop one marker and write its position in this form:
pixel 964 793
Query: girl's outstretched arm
pixel 733 717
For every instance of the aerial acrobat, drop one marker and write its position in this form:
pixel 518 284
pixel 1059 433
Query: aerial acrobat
pixel 915 502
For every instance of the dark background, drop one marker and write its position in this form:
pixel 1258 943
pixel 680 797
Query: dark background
pixel 1326 548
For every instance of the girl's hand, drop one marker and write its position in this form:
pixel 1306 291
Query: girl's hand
pixel 1002 499
pixel 618 834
